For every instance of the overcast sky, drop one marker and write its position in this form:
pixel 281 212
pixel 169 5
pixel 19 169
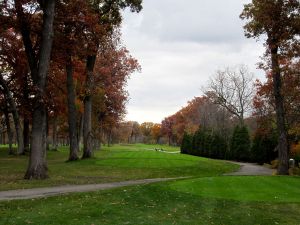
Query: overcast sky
pixel 180 44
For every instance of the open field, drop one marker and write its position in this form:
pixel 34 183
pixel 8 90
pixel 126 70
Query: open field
pixel 205 198
pixel 118 163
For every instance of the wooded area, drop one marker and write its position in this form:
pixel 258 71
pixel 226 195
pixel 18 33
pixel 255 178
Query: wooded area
pixel 55 57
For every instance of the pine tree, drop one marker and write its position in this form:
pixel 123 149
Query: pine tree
pixel 186 145
pixel 240 144
pixel 262 150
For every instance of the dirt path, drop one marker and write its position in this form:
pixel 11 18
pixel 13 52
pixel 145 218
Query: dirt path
pixel 53 191
pixel 248 169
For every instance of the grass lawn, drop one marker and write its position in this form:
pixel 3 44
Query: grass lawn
pixel 205 198
pixel 118 163
pixel 165 203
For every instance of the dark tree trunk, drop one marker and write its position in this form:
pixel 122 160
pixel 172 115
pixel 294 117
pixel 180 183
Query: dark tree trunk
pixel 9 133
pixel 283 152
pixel 26 136
pixel 109 138
pixel 72 114
pixel 80 132
pixel 16 118
pixel 47 133
pixel 37 168
pixel 19 132
pixel 54 137
pixel 87 125
pixel 26 121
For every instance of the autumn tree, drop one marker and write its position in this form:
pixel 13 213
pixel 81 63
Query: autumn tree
pixel 232 89
pixel 156 132
pixel 146 129
pixel 167 128
pixel 279 21
pixel 38 56
pixel 135 132
pixel 109 16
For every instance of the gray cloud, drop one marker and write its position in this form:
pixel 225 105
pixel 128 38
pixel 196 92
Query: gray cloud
pixel 179 45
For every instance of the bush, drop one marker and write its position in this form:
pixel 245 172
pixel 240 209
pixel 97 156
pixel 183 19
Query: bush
pixel 186 145
pixel 262 150
pixel 198 143
pixel 240 144
pixel 218 147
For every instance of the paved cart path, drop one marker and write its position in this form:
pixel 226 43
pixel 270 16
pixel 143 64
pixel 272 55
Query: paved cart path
pixel 251 169
pixel 53 191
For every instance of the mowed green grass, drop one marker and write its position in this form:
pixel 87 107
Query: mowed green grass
pixel 118 163
pixel 248 188
pixel 205 198
pixel 164 203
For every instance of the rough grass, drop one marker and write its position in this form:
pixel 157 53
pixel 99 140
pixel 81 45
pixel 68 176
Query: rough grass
pixel 118 163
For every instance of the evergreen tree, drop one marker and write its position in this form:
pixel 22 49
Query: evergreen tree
pixel 262 150
pixel 198 143
pixel 240 144
pixel 186 145
pixel 208 138
pixel 218 147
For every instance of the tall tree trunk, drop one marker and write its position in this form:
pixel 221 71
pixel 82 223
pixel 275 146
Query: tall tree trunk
pixel 47 133
pixel 54 134
pixel 26 121
pixel 87 125
pixel 9 133
pixel 72 114
pixel 80 132
pixel 37 167
pixel 283 151
pixel 109 138
pixel 26 136
pixel 16 118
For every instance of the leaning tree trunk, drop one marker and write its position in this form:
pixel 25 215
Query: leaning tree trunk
pixel 72 114
pixel 283 151
pixel 9 133
pixel 15 114
pixel 87 125
pixel 37 168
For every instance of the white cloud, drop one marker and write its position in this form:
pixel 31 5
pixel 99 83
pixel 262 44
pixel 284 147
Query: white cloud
pixel 179 44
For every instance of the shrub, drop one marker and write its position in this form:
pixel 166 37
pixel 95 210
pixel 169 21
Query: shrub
pixel 240 144
pixel 198 142
pixel 218 147
pixel 263 147
pixel 186 145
